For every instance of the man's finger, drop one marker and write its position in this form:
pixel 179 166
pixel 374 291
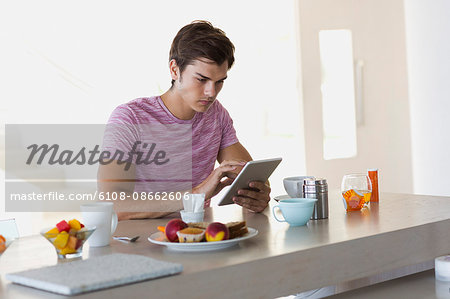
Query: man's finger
pixel 249 203
pixel 223 170
pixel 256 195
pixel 231 175
pixel 233 162
pixel 259 185
pixel 227 182
pixel 224 183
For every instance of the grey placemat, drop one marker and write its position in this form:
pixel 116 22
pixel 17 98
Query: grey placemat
pixel 96 273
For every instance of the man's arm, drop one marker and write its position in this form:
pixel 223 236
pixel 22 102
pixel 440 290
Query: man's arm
pixel 257 197
pixel 234 152
pixel 113 178
pixel 231 160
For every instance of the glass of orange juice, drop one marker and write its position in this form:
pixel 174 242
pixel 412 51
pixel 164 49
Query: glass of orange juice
pixel 356 190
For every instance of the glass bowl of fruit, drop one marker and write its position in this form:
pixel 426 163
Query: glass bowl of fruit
pixel 68 238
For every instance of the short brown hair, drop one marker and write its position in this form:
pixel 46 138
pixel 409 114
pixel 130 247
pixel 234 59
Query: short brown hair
pixel 201 39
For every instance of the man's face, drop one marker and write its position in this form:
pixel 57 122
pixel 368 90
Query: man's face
pixel 200 83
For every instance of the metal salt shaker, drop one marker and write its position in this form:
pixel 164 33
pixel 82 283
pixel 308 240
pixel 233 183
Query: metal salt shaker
pixel 317 188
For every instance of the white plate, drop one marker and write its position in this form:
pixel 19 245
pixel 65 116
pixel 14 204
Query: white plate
pixel 159 238
pixel 280 197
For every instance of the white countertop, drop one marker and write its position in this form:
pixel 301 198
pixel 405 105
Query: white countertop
pixel 401 230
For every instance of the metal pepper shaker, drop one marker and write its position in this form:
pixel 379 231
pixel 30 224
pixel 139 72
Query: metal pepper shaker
pixel 317 188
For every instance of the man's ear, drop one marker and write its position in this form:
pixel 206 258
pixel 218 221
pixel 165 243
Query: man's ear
pixel 174 70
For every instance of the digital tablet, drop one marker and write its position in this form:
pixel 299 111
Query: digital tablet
pixel 253 171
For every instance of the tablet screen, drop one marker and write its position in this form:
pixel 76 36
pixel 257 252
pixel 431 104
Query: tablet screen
pixel 259 170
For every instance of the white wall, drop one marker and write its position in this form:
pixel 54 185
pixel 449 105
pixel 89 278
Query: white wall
pixel 428 55
pixel 74 62
pixel 383 140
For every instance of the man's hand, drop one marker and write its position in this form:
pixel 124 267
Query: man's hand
pixel 213 184
pixel 256 199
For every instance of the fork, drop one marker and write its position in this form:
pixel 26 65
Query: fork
pixel 126 239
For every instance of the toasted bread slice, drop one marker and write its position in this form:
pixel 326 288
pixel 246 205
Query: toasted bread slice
pixel 237 229
pixel 238 233
pixel 236 225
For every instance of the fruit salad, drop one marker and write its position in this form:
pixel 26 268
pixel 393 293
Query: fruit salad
pixel 68 237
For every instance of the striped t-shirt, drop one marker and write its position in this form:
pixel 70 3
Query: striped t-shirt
pixel 185 150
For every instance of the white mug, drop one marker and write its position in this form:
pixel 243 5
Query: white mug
pixel 294 185
pixel 101 215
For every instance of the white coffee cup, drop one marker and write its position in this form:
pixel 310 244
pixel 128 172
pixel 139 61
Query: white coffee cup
pixel 294 185
pixel 101 215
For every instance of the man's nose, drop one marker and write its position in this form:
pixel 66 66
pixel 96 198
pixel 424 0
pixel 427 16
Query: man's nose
pixel 210 90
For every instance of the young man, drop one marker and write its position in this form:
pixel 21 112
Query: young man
pixel 188 114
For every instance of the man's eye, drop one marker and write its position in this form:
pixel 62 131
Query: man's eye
pixel 201 79
pixel 220 82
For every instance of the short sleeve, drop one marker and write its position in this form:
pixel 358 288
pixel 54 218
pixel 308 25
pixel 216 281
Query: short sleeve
pixel 228 132
pixel 121 132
